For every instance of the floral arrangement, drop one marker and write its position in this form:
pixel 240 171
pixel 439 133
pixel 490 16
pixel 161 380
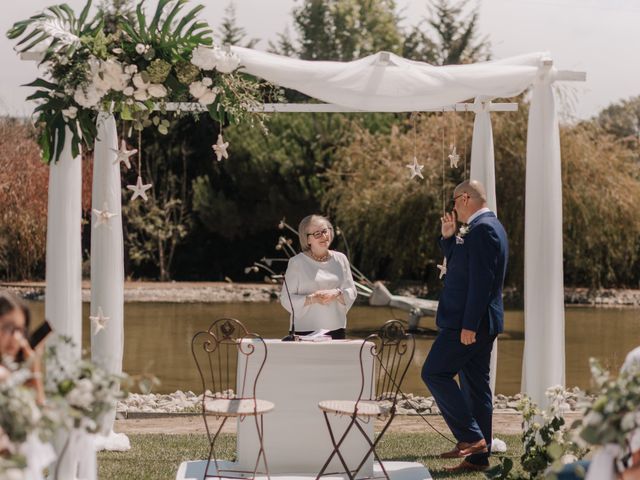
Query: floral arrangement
pixel 24 425
pixel 132 70
pixel 548 442
pixel 615 413
pixel 82 391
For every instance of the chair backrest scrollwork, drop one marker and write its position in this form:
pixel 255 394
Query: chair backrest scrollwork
pixel 217 352
pixel 391 349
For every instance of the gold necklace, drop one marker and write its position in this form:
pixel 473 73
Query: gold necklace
pixel 324 258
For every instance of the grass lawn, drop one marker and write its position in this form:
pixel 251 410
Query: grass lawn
pixel 157 456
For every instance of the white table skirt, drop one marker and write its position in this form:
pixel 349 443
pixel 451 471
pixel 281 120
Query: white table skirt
pixel 296 376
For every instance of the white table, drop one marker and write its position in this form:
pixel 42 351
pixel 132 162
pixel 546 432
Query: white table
pixel 296 376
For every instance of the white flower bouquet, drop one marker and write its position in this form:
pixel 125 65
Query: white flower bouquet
pixel 132 71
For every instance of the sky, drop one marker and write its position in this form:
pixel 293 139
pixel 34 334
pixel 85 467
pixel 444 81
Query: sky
pixel 599 37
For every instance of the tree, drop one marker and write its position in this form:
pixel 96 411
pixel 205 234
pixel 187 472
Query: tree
pixel 449 36
pixel 343 30
pixel 230 32
pixel 622 120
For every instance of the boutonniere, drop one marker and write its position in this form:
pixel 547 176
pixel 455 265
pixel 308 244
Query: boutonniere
pixel 462 231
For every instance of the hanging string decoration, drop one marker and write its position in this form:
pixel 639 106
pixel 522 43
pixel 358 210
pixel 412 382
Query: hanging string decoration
pixel 103 216
pixel 464 143
pixel 139 189
pixel 220 147
pixel 99 321
pixel 454 157
pixel 122 154
pixel 415 168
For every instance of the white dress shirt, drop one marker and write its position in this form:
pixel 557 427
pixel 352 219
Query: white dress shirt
pixel 477 214
pixel 305 276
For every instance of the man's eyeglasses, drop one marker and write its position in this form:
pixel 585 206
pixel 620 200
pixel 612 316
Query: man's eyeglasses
pixel 320 233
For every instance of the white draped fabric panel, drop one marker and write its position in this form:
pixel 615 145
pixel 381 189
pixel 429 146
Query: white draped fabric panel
pixel 107 266
pixel 483 169
pixel 544 358
pixel 63 294
pixel 400 86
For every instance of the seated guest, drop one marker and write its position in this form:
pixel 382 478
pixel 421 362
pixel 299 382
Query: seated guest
pixel 14 346
pixel 318 289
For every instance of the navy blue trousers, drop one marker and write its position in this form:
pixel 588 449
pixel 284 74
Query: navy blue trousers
pixel 467 408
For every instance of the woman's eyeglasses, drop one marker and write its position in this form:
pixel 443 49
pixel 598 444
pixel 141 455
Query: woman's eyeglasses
pixel 10 329
pixel 320 233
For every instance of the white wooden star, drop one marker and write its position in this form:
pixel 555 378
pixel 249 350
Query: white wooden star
pixel 103 216
pixel 139 190
pixel 454 158
pixel 443 268
pixel 122 154
pixel 220 148
pixel 99 321
pixel 416 169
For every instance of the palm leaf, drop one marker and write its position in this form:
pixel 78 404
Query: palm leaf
pixel 142 23
pixel 188 18
pixel 167 22
pixel 156 18
pixel 83 15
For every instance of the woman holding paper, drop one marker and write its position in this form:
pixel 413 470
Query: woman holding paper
pixel 318 290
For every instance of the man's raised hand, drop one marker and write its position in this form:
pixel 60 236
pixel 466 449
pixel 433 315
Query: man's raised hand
pixel 448 225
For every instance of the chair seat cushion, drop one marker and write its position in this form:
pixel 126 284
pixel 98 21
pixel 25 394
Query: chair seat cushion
pixel 237 407
pixel 347 407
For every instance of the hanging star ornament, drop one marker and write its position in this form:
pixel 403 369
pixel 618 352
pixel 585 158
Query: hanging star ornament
pixel 122 155
pixel 220 148
pixel 103 216
pixel 139 190
pixel 416 169
pixel 454 158
pixel 443 268
pixel 99 321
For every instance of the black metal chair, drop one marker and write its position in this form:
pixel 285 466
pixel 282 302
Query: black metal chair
pixel 392 351
pixel 225 355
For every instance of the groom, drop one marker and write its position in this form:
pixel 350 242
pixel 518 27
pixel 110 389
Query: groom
pixel 470 316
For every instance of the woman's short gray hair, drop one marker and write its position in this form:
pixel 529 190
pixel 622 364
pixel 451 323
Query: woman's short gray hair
pixel 304 225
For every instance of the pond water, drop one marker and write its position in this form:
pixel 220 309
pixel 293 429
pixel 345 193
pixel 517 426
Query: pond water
pixel 158 335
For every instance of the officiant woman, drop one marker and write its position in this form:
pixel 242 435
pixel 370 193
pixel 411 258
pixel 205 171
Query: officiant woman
pixel 318 290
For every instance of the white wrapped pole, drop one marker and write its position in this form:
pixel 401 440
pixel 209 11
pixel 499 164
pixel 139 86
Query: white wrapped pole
pixel 63 294
pixel 544 349
pixel 483 169
pixel 107 267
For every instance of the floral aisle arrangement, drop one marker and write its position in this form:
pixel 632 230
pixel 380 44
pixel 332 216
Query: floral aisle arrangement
pixel 133 71
pixel 25 426
pixel 78 395
pixel 613 419
pixel 548 442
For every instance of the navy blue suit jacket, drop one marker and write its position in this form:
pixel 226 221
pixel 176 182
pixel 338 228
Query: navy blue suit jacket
pixel 472 293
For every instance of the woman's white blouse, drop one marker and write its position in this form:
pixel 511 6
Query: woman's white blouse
pixel 305 276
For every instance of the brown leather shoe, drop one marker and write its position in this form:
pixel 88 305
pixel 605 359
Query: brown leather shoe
pixel 465 448
pixel 465 466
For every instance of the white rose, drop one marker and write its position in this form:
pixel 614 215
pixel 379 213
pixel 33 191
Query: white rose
pixel 128 91
pixel 139 82
pixel 80 399
pixel 114 75
pixel 131 69
pixel 208 98
pixel 157 90
pixel 197 89
pixel 141 95
pixel 228 63
pixel 207 82
pixel 593 419
pixel 88 97
pixel 70 113
pixel 204 58
pixel 140 49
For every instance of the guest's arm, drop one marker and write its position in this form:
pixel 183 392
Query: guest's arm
pixel 348 287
